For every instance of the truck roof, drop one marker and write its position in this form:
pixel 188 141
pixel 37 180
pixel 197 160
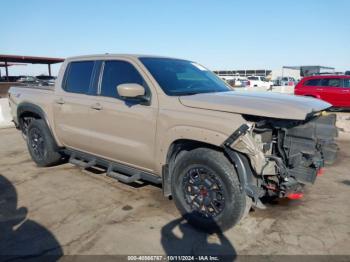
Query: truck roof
pixel 103 56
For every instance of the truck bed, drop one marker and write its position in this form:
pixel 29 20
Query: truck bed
pixel 38 95
pixel 52 88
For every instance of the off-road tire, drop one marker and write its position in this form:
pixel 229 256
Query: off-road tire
pixel 219 166
pixel 38 133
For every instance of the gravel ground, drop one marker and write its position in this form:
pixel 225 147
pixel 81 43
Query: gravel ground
pixel 65 210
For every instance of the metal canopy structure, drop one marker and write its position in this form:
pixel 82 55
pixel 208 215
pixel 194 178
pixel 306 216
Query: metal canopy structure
pixel 253 72
pixel 308 70
pixel 10 64
pixel 6 59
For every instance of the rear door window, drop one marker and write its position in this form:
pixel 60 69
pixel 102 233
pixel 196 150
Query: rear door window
pixel 331 82
pixel 78 77
pixel 116 73
pixel 312 82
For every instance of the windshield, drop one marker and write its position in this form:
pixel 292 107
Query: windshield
pixel 180 77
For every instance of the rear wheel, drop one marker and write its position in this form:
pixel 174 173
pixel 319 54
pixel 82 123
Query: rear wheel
pixel 41 145
pixel 206 190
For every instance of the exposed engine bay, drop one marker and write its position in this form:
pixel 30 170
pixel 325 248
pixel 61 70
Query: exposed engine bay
pixel 285 155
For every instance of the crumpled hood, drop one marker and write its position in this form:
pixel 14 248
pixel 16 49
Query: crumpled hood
pixel 265 104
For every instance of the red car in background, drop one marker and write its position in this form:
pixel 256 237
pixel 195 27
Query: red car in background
pixel 334 89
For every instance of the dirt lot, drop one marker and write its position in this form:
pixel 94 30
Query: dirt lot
pixel 65 210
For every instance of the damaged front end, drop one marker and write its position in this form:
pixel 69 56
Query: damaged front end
pixel 283 155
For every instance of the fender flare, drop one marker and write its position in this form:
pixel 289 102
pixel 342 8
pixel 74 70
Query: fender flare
pixel 32 108
pixel 192 133
pixel 243 168
pixel 245 174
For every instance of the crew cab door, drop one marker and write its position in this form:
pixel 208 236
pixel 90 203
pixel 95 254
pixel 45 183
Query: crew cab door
pixel 71 104
pixel 313 88
pixel 332 91
pixel 123 131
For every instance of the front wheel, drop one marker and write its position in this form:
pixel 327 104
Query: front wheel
pixel 206 190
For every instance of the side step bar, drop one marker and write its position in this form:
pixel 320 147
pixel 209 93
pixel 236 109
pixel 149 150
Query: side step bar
pixel 123 178
pixel 122 173
pixel 81 163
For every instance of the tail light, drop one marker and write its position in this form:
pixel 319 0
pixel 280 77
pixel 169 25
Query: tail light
pixel 320 172
pixel 248 83
pixel 294 196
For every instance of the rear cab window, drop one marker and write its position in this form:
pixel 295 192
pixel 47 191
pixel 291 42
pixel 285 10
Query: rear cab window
pixel 78 77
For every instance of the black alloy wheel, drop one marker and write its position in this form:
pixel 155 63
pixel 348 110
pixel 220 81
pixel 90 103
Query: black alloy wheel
pixel 203 191
pixel 37 142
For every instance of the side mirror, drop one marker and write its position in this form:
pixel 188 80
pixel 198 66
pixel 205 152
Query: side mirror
pixel 131 90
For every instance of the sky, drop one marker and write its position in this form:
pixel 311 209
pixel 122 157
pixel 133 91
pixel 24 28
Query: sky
pixel 220 34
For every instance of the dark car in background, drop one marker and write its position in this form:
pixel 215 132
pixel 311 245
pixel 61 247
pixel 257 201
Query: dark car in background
pixel 27 79
pixel 334 89
pixel 9 79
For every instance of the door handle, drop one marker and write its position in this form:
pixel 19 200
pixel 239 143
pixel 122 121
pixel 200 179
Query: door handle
pixel 60 101
pixel 319 89
pixel 97 106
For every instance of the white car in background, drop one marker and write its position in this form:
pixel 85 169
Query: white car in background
pixel 241 81
pixel 286 81
pixel 236 81
pixel 259 81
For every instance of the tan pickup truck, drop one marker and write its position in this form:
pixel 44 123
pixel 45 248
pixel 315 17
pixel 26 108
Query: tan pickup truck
pixel 168 121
